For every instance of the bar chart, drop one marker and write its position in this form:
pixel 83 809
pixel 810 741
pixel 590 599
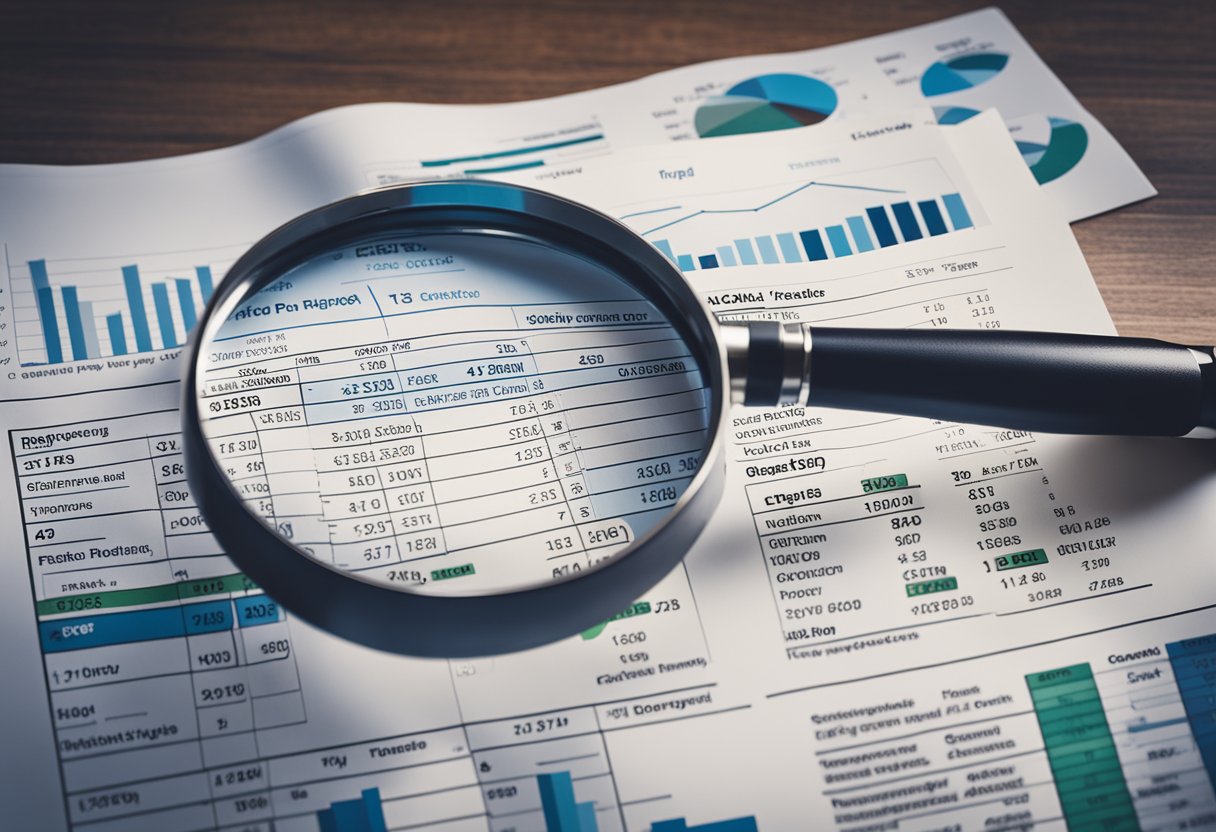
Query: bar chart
pixel 562 812
pixel 810 221
pixel 79 309
pixel 362 814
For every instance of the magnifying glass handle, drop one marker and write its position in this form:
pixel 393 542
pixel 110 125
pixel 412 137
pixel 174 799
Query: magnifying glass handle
pixel 1048 382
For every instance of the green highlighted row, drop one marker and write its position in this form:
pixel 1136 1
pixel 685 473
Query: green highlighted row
pixel 640 608
pixel 158 594
pixel 930 587
pixel 887 482
pixel 453 572
pixel 1019 560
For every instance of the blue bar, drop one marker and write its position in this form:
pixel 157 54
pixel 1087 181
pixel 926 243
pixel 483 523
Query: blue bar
pixel 768 253
pixel 557 801
pixel 907 221
pixel 160 297
pixel 586 817
pixel 325 818
pixel 204 281
pixel 861 234
pixel 349 816
pixel 839 241
pixel 71 311
pixel 726 256
pixel 1153 726
pixel 118 339
pixel 677 825
pixel 665 247
pixel 746 256
pixel 46 312
pixel 708 261
pixel 747 824
pixel 135 300
pixel 252 610
pixel 813 244
pixel 375 810
pixel 932 215
pixel 684 261
pixel 959 217
pixel 882 226
pixel 789 250
pixel 185 302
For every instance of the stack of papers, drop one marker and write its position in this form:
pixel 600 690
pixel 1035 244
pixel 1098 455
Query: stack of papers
pixel 890 623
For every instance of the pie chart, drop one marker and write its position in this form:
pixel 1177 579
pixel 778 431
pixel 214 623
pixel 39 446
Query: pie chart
pixel 1052 146
pixel 962 73
pixel 766 102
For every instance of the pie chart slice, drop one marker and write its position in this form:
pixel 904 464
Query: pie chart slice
pixel 768 102
pixel 1065 145
pixel 953 115
pixel 962 73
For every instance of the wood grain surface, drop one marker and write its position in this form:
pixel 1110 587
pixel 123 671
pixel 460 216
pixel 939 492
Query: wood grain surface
pixel 88 81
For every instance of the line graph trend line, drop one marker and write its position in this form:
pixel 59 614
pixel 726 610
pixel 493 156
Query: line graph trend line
pixel 768 204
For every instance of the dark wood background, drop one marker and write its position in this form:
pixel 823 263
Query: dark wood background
pixel 113 80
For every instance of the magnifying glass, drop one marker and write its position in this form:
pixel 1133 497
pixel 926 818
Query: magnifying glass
pixel 465 418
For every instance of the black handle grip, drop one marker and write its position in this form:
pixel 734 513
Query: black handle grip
pixel 1051 382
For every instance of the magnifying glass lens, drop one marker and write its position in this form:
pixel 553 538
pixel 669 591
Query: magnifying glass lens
pixel 454 413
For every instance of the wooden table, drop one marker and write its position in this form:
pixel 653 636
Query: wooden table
pixel 87 82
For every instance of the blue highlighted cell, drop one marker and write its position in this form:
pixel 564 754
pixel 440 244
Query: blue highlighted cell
pixel 708 261
pixel 789 249
pixel 252 610
pixel 861 234
pixel 726 256
pixel 932 215
pixel 746 255
pixel 1192 661
pixel 101 630
pixel 812 244
pixel 71 311
pixel 768 253
pixel 907 221
pixel 838 241
pixel 882 226
pixel 960 218
pixel 135 301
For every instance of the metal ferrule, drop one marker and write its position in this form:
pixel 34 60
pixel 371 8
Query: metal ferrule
pixel 769 364
pixel 735 339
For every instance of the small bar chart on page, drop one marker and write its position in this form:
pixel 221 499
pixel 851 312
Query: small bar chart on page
pixel 80 309
pixel 823 219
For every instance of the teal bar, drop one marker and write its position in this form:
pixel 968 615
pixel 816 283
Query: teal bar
pixel 959 217
pixel 557 801
pixel 767 253
pixel 838 240
pixel 160 298
pixel 726 256
pixel 375 810
pixel 204 281
pixel 861 234
pixel 185 302
pixel 118 339
pixel 746 256
pixel 684 261
pixel 71 311
pixel 586 817
pixel 46 311
pixel 789 249
pixel 139 316
pixel 665 247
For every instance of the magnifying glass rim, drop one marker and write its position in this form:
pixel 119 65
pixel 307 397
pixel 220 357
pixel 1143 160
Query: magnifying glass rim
pixel 425 204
